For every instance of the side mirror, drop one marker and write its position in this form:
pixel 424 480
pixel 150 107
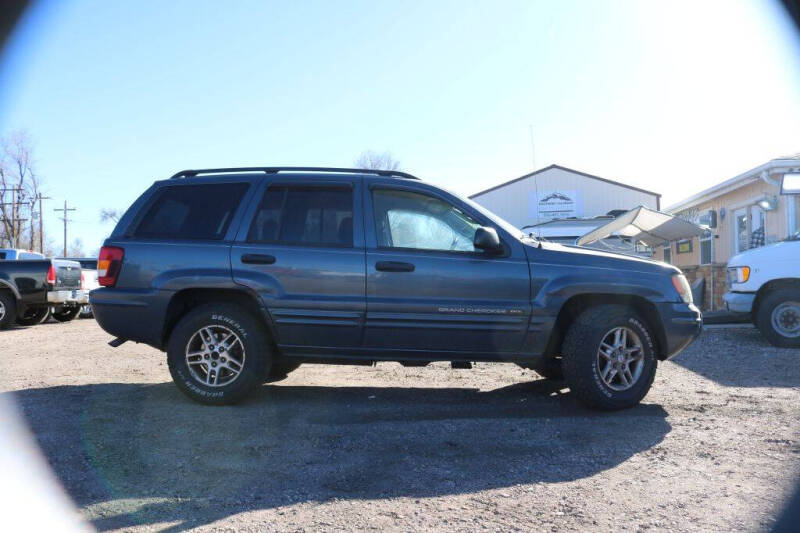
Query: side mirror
pixel 486 239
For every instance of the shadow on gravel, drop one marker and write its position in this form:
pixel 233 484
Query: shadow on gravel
pixel 144 454
pixel 741 357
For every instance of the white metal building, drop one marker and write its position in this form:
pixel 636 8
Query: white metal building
pixel 556 192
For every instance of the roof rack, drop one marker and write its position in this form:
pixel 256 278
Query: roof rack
pixel 275 170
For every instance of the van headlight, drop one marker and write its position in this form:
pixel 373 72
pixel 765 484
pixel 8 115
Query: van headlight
pixel 739 274
pixel 683 288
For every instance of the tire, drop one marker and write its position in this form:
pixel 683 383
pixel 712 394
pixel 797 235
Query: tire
pixel 280 370
pixel 35 316
pixel 584 367
pixel 236 370
pixel 8 309
pixel 778 318
pixel 550 369
pixel 86 311
pixel 67 314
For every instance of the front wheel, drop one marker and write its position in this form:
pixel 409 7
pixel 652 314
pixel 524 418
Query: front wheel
pixel 218 353
pixel 609 357
pixel 67 313
pixel 778 318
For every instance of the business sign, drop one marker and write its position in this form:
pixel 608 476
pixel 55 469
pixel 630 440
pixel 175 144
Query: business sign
pixel 684 247
pixel 790 184
pixel 556 204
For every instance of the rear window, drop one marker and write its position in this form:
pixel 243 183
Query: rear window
pixel 30 255
pixel 191 211
pixel 311 216
pixel 88 264
pixel 2 255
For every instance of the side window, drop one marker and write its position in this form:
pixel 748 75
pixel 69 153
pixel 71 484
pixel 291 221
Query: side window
pixel 668 253
pixel 191 211
pixel 411 220
pixel 311 216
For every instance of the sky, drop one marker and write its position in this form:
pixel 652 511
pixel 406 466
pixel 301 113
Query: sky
pixel 672 97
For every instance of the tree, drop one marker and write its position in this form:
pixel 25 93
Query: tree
pixel 372 160
pixel 108 214
pixel 19 191
pixel 76 249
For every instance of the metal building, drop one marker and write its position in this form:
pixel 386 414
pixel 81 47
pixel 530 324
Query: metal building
pixel 557 192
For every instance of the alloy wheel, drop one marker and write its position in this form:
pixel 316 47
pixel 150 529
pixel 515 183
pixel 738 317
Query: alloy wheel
pixel 620 358
pixel 215 356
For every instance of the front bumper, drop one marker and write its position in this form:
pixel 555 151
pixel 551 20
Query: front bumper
pixel 682 325
pixel 78 297
pixel 739 302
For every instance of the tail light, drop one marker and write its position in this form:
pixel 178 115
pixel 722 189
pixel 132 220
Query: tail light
pixel 51 275
pixel 109 265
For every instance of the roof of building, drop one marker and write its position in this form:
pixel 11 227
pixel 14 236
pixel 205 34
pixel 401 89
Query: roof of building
pixel 584 174
pixel 790 161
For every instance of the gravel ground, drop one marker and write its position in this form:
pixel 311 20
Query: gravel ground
pixel 715 446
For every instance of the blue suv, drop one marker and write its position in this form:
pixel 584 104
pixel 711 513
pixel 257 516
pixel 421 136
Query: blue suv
pixel 243 274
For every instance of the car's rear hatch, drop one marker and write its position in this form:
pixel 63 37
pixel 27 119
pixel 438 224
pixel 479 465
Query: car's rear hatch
pixel 68 274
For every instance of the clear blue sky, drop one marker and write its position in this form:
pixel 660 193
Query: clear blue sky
pixel 669 96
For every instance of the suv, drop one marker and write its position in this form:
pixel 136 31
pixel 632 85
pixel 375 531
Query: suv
pixel 241 275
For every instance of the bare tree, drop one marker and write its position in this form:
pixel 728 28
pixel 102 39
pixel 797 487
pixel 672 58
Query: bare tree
pixel 372 160
pixel 76 249
pixel 107 214
pixel 19 190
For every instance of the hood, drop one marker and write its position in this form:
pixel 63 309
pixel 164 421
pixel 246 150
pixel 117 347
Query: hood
pixel 578 255
pixel 773 253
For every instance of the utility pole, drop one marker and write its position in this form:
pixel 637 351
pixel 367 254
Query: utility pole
pixel 41 219
pixel 65 218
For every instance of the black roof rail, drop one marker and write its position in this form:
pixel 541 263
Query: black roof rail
pixel 275 170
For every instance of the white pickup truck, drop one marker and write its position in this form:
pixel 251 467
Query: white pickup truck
pixel 765 282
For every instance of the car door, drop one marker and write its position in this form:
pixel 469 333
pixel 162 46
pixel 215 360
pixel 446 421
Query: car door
pixel 302 251
pixel 428 289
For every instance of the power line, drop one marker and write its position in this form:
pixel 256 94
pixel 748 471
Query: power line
pixel 65 218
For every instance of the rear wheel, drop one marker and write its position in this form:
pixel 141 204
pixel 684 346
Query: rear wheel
pixel 778 318
pixel 609 357
pixel 34 316
pixel 218 353
pixel 67 313
pixel 8 309
pixel 86 311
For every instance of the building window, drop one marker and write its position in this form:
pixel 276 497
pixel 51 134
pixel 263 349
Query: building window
pixel 668 253
pixel 705 248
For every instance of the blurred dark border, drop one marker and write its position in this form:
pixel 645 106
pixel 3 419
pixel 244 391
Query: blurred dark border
pixel 789 521
pixel 10 12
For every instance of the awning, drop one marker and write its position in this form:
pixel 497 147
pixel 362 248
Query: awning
pixel 642 224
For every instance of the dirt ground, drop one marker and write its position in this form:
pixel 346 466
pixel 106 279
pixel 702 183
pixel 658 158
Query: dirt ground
pixel 715 446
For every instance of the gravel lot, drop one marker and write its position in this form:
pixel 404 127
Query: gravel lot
pixel 715 446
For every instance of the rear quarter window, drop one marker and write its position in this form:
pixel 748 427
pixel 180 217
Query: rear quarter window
pixel 195 212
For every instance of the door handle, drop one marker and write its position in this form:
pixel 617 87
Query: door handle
pixel 394 266
pixel 258 259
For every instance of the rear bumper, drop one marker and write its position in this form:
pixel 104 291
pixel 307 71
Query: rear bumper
pixel 682 325
pixel 739 302
pixel 131 315
pixel 78 297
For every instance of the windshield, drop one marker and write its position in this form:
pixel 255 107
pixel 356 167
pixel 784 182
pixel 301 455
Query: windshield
pixel 517 233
